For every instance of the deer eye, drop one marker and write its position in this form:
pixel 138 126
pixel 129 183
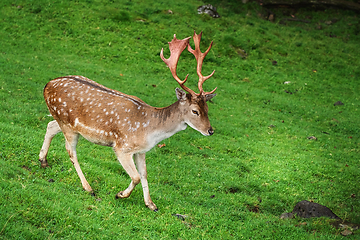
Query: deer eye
pixel 195 112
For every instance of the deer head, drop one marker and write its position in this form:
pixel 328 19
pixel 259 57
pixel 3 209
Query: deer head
pixel 196 110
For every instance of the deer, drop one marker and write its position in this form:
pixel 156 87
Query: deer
pixel 131 127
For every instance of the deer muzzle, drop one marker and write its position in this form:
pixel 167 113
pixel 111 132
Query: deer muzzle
pixel 211 131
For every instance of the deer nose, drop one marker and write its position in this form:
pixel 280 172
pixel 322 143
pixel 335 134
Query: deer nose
pixel 211 131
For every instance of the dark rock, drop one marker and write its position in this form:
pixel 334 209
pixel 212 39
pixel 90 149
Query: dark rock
pixel 338 103
pixel 208 9
pixel 306 209
pixel 180 216
pixel 312 138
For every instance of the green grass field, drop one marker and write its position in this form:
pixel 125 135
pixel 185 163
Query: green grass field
pixel 232 185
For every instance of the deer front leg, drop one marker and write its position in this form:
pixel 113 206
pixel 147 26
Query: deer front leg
pixel 127 162
pixel 141 166
pixel 71 142
pixel 52 129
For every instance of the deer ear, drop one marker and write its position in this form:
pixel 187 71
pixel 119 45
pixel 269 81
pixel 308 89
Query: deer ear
pixel 180 94
pixel 210 96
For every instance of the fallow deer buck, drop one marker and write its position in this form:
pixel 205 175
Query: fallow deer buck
pixel 131 127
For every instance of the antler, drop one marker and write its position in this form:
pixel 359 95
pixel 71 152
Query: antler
pixel 176 47
pixel 200 58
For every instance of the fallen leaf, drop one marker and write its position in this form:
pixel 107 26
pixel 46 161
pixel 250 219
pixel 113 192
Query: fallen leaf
pixel 346 232
pixel 328 22
pixel 286 216
pixel 161 145
pixel 301 224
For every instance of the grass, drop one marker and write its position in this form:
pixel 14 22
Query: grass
pixel 232 185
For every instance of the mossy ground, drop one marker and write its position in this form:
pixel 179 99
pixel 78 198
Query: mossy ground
pixel 232 185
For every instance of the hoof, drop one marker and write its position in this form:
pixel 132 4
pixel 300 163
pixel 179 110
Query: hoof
pixel 44 164
pixel 153 207
pixel 120 195
pixel 89 189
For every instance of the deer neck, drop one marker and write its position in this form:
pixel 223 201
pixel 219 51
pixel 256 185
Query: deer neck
pixel 170 118
pixel 166 122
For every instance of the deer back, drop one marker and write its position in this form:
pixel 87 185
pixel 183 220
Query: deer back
pixel 100 114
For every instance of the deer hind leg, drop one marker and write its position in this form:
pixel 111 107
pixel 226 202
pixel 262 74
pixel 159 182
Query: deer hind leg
pixel 52 129
pixel 70 144
pixel 141 166
pixel 127 162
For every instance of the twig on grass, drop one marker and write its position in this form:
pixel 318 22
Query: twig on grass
pixel 295 20
pixel 8 221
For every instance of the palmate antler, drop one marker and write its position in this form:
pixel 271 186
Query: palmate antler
pixel 176 47
pixel 200 58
